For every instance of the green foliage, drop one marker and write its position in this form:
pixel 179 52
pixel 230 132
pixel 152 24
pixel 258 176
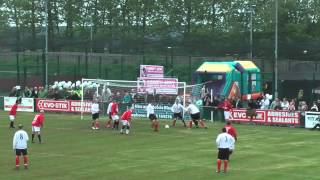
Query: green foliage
pixel 197 27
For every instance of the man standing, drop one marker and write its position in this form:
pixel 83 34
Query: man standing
pixel 13 113
pixel 225 143
pixel 95 115
pixel 114 114
pixel 125 120
pixel 37 124
pixel 20 140
pixel 152 116
pixel 194 112
pixel 227 107
pixel 177 109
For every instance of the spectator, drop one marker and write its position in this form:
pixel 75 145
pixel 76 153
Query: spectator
pixel 314 107
pixel 285 104
pixel 265 102
pixel 34 93
pixel 292 106
pixel 236 103
pixel 251 110
pixel 276 104
pixel 27 92
pixel 42 92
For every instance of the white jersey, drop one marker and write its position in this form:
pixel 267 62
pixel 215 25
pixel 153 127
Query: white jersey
pixel 20 139
pixel 109 107
pixel 192 109
pixel 95 108
pixel 177 108
pixel 150 109
pixel 225 140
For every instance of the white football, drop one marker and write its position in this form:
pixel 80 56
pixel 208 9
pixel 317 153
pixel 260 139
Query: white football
pixel 166 126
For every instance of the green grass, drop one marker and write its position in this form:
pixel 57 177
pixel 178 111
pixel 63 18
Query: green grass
pixel 71 150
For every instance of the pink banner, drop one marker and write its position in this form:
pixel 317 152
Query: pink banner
pixel 72 106
pixel 267 116
pixel 158 85
pixel 152 71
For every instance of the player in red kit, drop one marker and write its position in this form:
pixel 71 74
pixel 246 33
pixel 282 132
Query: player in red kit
pixel 114 115
pixel 37 123
pixel 231 130
pixel 13 113
pixel 227 107
pixel 125 120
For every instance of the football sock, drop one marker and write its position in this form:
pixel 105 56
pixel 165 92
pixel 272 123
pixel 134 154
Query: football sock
pixel 184 123
pixel 25 159
pixel 190 124
pixel 218 165
pixel 196 123
pixel 97 124
pixel 202 124
pixel 225 163
pixel 11 124
pixel 39 137
pixel 92 124
pixel 17 161
pixel 127 131
pixel 174 123
pixel 32 137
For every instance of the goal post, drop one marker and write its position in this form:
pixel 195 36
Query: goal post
pixel 137 94
pixel 134 93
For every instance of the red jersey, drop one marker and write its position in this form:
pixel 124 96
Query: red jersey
pixel 231 130
pixel 114 108
pixel 126 115
pixel 13 110
pixel 38 120
pixel 226 105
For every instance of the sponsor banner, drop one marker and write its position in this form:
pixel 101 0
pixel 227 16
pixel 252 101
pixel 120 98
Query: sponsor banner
pixel 161 111
pixel 240 115
pixel 158 85
pixel 27 104
pixel 283 117
pixel 72 106
pixel 311 119
pixel 152 71
pixel 267 116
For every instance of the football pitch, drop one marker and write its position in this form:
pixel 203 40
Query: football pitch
pixel 71 150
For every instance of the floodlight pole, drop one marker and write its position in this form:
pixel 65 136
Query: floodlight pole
pixel 251 31
pixel 46 45
pixel 276 51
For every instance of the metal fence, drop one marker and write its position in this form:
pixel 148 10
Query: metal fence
pixel 28 68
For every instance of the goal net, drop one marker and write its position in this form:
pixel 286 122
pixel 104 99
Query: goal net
pixel 137 94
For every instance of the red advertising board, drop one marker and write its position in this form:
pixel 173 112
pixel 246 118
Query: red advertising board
pixel 72 106
pixel 267 117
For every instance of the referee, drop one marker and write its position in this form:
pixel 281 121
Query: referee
pixel 225 144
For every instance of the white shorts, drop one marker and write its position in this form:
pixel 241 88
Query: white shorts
pixel 125 123
pixel 226 115
pixel 115 117
pixel 12 117
pixel 35 129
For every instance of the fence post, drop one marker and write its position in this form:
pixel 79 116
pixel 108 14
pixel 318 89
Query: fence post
pixel 58 65
pixel 43 68
pixel 18 68
pixel 24 75
pixel 100 66
pixel 37 66
pixel 190 69
pixel 86 64
pixel 121 67
pixel 79 58
pixel 106 73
